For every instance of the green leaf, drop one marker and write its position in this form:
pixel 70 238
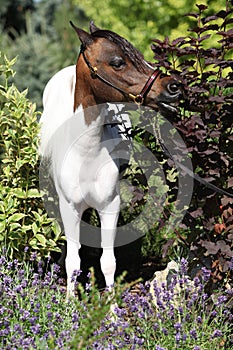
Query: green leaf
pixel 56 230
pixel 35 228
pixel 16 217
pixel 19 193
pixel 155 181
pixel 51 242
pixel 2 226
pixel 33 193
pixel 33 242
pixel 26 228
pixel 41 238
pixel 172 175
pixel 14 226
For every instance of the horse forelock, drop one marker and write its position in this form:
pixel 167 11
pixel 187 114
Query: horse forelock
pixel 129 50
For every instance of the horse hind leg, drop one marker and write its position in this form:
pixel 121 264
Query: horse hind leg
pixel 71 218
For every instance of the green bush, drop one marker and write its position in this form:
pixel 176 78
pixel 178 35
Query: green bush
pixel 23 220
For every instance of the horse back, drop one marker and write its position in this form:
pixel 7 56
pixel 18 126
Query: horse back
pixel 58 101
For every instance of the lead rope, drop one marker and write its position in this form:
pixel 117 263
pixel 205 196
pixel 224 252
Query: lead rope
pixel 159 141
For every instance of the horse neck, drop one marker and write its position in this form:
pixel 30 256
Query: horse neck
pixel 83 94
pixel 87 136
pixel 90 116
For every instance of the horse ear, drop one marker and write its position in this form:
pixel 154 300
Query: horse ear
pixel 85 38
pixel 93 27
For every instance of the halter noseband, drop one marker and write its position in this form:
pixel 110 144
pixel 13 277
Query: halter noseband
pixel 138 99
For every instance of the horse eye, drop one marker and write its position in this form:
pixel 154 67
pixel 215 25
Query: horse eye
pixel 173 88
pixel 117 62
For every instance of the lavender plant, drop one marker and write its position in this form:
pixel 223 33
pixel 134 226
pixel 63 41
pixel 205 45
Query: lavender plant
pixel 35 314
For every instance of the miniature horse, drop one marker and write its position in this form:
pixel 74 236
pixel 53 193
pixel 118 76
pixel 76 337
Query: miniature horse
pixel 109 69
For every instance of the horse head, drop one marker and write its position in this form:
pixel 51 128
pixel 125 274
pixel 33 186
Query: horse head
pixel 110 69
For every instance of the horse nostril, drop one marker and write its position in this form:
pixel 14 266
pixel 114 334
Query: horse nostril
pixel 173 88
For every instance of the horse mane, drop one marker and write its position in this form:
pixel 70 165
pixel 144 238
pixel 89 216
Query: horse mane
pixel 130 51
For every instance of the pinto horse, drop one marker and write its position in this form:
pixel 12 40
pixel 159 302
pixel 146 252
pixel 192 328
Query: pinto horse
pixel 109 69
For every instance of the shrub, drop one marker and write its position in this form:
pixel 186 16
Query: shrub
pixel 202 61
pixel 23 220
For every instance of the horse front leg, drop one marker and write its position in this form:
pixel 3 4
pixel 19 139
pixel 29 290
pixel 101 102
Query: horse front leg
pixel 71 218
pixel 108 218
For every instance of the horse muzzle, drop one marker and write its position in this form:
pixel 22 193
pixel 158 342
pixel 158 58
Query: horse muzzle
pixel 167 101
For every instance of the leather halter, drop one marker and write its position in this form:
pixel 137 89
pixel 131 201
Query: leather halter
pixel 138 99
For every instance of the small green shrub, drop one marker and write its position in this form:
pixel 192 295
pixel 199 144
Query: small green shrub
pixel 23 220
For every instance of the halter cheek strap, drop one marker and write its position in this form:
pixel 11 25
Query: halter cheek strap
pixel 138 99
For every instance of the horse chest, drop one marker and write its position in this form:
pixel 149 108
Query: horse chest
pixel 90 176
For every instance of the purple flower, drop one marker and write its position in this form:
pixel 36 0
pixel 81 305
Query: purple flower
pixel 4 332
pixel 58 317
pixel 194 297
pixel 35 329
pixel 76 273
pixel 204 296
pixel 88 287
pixel 120 312
pixel 33 256
pixel 180 309
pixel 47 279
pixel 158 347
pixel 18 288
pixel 9 265
pixel 54 300
pixel 75 317
pixel 35 280
pixel 193 334
pixel 221 300
pixel 183 266
pixel 177 326
pixel 7 280
pixel 17 328
pixel 32 320
pixel 16 263
pixel 56 268
pixel 213 313
pixel 196 281
pixel 24 283
pixel 178 337
pixel 217 333
pixel 25 315
pixel 206 274
pixel 49 315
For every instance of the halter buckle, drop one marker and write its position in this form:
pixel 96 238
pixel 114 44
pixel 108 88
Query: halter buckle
pixel 93 71
pixel 138 99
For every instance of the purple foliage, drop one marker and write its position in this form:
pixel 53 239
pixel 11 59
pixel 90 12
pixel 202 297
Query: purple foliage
pixel 205 123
